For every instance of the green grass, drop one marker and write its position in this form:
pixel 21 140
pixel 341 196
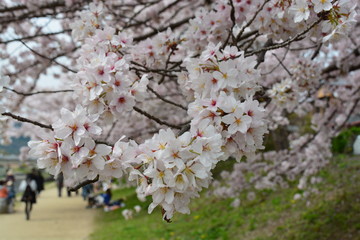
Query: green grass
pixel 333 214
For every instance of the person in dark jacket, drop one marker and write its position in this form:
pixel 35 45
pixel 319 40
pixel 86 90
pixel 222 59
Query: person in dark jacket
pixel 39 181
pixel 29 189
pixel 60 183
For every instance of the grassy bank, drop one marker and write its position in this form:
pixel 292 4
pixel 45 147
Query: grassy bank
pixel 333 214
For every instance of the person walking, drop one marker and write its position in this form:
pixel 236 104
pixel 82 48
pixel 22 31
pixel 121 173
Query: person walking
pixel 60 183
pixel 11 196
pixel 10 183
pixel 29 189
pixel 39 182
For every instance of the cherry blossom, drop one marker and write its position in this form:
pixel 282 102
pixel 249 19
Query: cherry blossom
pixel 186 85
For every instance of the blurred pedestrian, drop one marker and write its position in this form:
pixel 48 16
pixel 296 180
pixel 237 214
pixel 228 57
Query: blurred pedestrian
pixel 39 181
pixel 60 183
pixel 3 197
pixel 10 184
pixel 10 200
pixel 9 175
pixel 3 189
pixel 29 189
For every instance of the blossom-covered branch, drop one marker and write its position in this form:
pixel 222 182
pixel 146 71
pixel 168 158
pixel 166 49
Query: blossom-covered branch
pixel 186 84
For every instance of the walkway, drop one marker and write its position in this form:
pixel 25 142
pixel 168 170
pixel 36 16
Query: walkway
pixel 52 218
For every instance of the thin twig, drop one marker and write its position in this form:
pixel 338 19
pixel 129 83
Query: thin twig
pixel 303 48
pixel 159 121
pixel 50 59
pixel 184 129
pixel 166 100
pixel 283 58
pixel 35 36
pixel 166 64
pixel 39 92
pixel 285 43
pixel 317 51
pixel 282 64
pixel 251 20
pixel 110 130
pixel 232 17
pixel 22 119
pixel 249 42
pixel 172 26
pixel 261 55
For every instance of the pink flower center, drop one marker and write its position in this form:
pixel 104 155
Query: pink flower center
pixel 86 126
pixel 65 158
pixel 121 100
pixel 101 72
pixel 76 149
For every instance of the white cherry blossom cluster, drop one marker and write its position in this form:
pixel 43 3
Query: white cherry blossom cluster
pixel 72 150
pixel 275 169
pixel 306 74
pixel 171 169
pixel 282 19
pixel 283 94
pixel 48 154
pixel 222 87
pixel 174 169
pixel 104 83
pixel 224 84
pixel 277 20
pixel 156 51
pixel 208 26
pixel 89 21
pixel 340 20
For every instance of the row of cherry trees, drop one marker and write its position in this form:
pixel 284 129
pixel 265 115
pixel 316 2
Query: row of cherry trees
pixel 161 91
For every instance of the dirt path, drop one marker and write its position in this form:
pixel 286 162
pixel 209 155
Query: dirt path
pixel 52 218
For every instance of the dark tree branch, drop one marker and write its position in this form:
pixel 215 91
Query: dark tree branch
pixel 287 42
pixel 317 51
pixel 238 37
pixel 166 100
pixel 282 64
pixel 50 59
pixel 261 55
pixel 26 120
pixel 35 36
pixel 82 184
pixel 172 26
pixel 39 92
pixel 159 121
